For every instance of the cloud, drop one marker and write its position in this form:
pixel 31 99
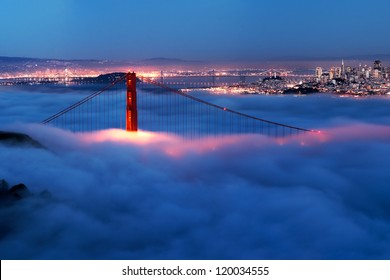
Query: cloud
pixel 118 195
pixel 35 103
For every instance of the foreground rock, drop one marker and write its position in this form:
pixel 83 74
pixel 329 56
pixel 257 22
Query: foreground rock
pixel 18 139
pixel 17 192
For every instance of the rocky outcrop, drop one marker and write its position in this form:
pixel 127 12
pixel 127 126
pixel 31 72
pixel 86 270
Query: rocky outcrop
pixel 18 139
pixel 17 192
pixel 16 205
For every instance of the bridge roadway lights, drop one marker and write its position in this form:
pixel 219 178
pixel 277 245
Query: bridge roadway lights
pixel 131 102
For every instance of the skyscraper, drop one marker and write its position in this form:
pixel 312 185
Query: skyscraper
pixel 319 72
pixel 338 72
pixel 378 65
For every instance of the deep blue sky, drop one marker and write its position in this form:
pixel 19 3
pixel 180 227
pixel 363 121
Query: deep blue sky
pixel 187 29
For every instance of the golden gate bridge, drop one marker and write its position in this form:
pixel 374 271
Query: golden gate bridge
pixel 138 103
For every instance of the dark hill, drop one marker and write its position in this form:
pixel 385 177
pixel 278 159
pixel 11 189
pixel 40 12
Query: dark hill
pixel 18 139
pixel 104 78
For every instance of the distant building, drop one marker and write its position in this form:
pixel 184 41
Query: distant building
pixel 381 69
pixel 375 73
pixel 331 73
pixel 367 73
pixel 325 78
pixel 378 65
pixel 318 72
pixel 337 72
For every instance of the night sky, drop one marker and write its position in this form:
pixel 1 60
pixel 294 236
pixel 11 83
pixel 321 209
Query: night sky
pixel 194 30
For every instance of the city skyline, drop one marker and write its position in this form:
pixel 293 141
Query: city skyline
pixel 201 30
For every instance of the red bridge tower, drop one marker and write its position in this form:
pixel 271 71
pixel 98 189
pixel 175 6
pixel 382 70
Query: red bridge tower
pixel 131 103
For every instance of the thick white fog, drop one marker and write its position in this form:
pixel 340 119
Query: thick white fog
pixel 119 195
